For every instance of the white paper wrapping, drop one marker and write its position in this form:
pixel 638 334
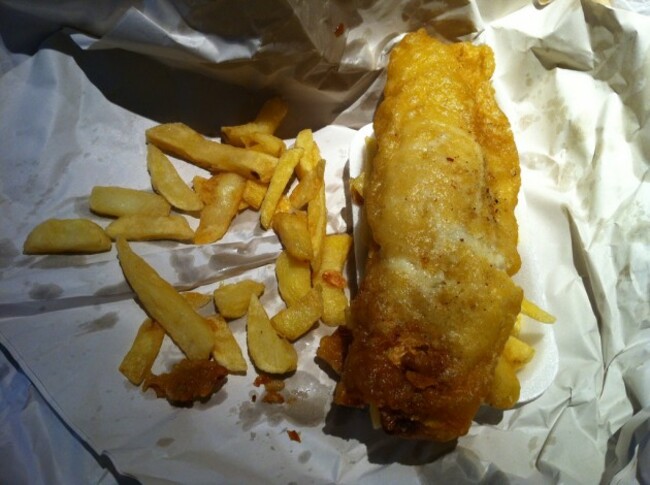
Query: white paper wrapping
pixel 572 78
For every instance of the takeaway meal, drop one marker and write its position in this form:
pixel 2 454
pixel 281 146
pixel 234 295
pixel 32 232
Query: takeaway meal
pixel 432 333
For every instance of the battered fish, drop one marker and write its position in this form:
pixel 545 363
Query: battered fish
pixel 437 303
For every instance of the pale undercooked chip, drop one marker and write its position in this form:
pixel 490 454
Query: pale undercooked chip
pixel 269 351
pixel 121 201
pixel 150 228
pixel 232 299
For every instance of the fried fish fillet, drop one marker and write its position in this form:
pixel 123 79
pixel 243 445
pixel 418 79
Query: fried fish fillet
pixel 437 303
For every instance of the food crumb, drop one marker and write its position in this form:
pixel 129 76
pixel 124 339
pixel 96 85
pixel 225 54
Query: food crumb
pixel 273 397
pixel 293 435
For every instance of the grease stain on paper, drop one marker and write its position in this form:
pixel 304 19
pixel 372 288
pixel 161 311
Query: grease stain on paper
pixel 164 442
pixel 45 292
pixel 105 322
pixel 306 403
pixel 7 250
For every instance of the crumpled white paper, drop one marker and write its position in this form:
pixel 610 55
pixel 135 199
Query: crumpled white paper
pixel 570 76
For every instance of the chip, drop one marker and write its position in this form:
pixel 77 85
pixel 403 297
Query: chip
pixel 150 228
pixel 293 322
pixel 294 277
pixel 55 236
pixel 121 201
pixel 232 300
pixel 308 188
pixel 216 216
pixel 166 181
pixel 269 351
pixel 267 121
pixel 531 310
pixel 278 184
pixel 183 142
pixel 138 361
pixel 505 389
pixel 517 352
pixel 335 302
pixel 191 332
pixel 226 350
pixel 294 234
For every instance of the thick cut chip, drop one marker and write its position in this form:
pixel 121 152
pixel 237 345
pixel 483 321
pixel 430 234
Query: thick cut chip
pixel 183 142
pixel 254 193
pixel 517 352
pixel 120 201
pixel 204 188
pixel 294 278
pixel 505 387
pixel 166 181
pixel 329 275
pixel 293 322
pixel 137 363
pixel 55 236
pixel 283 205
pixel 217 216
pixel 279 181
pixel 232 300
pixel 311 153
pixel 265 143
pixel 309 187
pixel 227 351
pixel 269 351
pixel 294 234
pixel 317 220
pixel 196 299
pixel 267 121
pixel 516 328
pixel 150 228
pixel 357 187
pixel 191 332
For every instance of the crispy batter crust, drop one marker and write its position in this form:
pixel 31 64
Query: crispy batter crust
pixel 437 303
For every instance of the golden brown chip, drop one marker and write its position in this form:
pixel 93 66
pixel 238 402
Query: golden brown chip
pixel 166 181
pixel 183 142
pixel 309 186
pixel 294 277
pixel 335 250
pixel 296 320
pixel 294 234
pixel 137 363
pixel 217 215
pixel 266 122
pixel 279 181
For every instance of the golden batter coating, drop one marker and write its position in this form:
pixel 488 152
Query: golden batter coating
pixel 437 302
